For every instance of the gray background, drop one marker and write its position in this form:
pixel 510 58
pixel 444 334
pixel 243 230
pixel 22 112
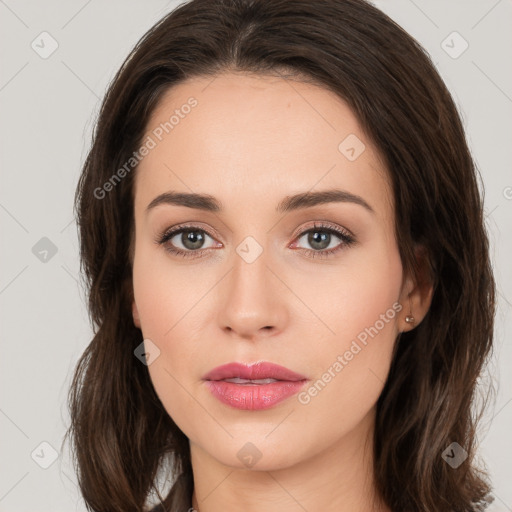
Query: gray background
pixel 48 109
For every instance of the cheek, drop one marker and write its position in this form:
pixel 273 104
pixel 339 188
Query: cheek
pixel 165 292
pixel 165 308
pixel 168 299
pixel 352 369
pixel 346 298
pixel 373 309
pixel 372 298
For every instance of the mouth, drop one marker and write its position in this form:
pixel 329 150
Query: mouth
pixel 246 382
pixel 253 387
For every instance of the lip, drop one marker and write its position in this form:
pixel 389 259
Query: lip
pixel 255 371
pixel 253 396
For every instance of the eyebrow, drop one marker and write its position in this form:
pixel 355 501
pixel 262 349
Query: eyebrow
pixel 289 203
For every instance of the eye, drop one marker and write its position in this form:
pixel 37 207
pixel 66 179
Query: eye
pixel 191 238
pixel 321 238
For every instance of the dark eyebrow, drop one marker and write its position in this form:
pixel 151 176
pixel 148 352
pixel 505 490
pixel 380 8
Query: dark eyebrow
pixel 309 199
pixel 290 203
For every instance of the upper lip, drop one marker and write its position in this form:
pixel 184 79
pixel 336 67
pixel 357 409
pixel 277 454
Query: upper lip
pixel 255 371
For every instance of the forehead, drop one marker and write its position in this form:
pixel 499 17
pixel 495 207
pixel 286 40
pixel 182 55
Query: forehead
pixel 253 139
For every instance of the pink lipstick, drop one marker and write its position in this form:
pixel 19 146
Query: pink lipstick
pixel 253 387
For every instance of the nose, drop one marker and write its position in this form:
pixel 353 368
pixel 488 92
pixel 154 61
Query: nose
pixel 252 300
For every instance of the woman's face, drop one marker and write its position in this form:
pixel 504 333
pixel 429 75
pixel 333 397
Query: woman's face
pixel 267 279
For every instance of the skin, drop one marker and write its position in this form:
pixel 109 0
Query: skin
pixel 251 141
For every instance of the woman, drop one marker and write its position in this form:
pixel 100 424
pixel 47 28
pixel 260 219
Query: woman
pixel 288 271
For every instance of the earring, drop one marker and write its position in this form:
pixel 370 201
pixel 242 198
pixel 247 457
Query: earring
pixel 409 318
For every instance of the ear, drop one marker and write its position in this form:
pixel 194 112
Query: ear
pixel 135 314
pixel 417 292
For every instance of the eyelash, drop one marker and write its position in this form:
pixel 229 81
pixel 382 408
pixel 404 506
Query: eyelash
pixel 347 240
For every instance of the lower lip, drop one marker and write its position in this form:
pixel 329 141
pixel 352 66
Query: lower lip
pixel 253 397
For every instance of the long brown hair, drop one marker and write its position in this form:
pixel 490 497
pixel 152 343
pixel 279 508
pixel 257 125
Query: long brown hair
pixel 121 434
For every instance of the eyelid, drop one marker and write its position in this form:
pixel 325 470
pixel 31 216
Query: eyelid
pixel 323 224
pixel 196 226
pixel 168 233
pixel 317 224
